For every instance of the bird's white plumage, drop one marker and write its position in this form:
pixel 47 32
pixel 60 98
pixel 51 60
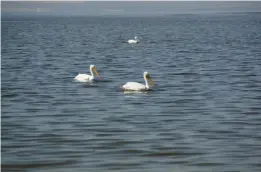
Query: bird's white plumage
pixel 135 86
pixel 133 41
pixel 85 77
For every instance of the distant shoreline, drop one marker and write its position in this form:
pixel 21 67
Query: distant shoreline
pixel 19 15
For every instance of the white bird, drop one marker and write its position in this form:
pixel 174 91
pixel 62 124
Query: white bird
pixel 85 77
pixel 133 41
pixel 135 86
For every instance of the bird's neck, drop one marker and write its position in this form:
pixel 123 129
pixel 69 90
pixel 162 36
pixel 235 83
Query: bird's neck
pixel 91 73
pixel 146 83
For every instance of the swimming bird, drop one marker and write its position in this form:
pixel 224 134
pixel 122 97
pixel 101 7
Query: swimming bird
pixel 135 41
pixel 135 86
pixel 85 77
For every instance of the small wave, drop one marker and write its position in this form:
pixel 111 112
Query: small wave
pixel 171 153
pixel 103 80
pixel 89 85
pixel 37 164
pixel 118 166
pixel 159 154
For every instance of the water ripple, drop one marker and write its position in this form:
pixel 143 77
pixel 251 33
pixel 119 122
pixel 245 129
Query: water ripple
pixel 203 114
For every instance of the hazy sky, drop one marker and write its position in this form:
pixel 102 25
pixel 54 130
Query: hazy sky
pixel 125 8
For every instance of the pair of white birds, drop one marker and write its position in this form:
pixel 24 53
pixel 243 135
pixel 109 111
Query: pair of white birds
pixel 129 86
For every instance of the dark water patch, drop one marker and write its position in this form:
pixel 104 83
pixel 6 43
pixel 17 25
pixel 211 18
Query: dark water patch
pixel 89 85
pixel 115 119
pixel 104 134
pixel 8 95
pixel 160 154
pixel 119 165
pixel 103 80
pixel 110 130
pixel 121 143
pixel 206 164
pixel 37 165
pixel 133 151
pixel 48 138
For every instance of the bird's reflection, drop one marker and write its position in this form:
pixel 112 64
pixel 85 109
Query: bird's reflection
pixel 136 92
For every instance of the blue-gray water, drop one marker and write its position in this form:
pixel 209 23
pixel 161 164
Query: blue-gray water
pixel 204 114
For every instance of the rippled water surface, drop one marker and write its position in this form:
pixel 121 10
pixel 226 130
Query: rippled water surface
pixel 204 114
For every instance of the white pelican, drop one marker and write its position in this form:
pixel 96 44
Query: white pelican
pixel 133 41
pixel 85 77
pixel 135 86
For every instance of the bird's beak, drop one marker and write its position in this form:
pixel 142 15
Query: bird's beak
pixel 94 70
pixel 151 82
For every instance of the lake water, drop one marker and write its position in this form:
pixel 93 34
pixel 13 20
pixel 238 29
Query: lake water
pixel 204 114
